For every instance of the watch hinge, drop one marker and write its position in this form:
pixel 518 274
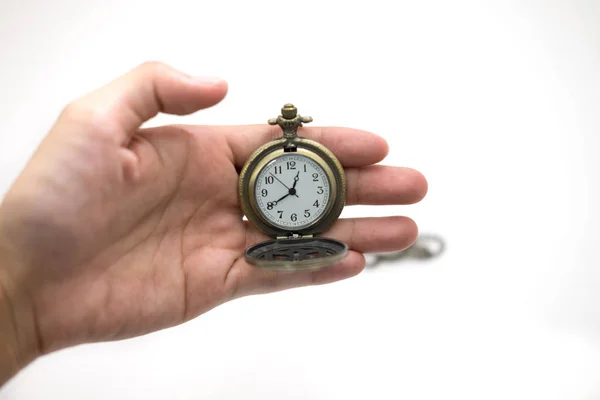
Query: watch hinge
pixel 290 148
pixel 294 236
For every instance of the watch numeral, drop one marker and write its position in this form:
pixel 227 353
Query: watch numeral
pixel 294 217
pixel 320 191
pixel 270 206
pixel 316 203
pixel 304 167
pixel 280 214
pixel 278 169
pixel 306 213
pixel 269 180
pixel 315 177
pixel 291 165
pixel 264 192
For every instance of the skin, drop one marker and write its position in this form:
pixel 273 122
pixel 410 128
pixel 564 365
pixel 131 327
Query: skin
pixel 113 231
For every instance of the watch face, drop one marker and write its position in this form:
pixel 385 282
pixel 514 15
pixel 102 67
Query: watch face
pixel 292 191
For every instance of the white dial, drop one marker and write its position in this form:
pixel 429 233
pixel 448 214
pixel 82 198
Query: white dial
pixel 292 191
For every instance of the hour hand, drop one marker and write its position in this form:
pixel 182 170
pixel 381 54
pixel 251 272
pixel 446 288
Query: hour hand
pixel 293 189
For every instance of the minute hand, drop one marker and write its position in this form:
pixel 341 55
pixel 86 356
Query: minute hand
pixel 277 201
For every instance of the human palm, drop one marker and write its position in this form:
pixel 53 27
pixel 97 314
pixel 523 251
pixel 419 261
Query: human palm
pixel 116 231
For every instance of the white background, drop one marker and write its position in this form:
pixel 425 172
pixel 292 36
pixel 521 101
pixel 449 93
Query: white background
pixel 496 102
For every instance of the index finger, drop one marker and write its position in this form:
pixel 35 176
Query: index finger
pixel 353 147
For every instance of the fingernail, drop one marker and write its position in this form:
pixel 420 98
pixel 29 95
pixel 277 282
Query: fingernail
pixel 206 80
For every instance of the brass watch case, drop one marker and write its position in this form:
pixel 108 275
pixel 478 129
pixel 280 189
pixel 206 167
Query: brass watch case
pixel 305 147
pixel 291 143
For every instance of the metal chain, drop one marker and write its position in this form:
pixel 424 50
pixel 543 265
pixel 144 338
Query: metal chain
pixel 426 247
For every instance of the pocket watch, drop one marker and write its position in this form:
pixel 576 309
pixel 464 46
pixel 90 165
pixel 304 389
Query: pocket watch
pixel 293 189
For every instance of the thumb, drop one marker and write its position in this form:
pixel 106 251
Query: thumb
pixel 126 103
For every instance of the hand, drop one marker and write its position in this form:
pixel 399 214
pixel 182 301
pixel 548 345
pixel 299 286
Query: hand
pixel 296 179
pixel 113 231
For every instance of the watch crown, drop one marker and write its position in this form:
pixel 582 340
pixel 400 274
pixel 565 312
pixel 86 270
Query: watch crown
pixel 289 111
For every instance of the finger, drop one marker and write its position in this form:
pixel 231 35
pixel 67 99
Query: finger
pixel 363 235
pixel 251 280
pixel 366 235
pixel 376 234
pixel 378 184
pixel 126 103
pixel 353 147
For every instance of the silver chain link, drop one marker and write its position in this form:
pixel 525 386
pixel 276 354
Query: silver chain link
pixel 426 247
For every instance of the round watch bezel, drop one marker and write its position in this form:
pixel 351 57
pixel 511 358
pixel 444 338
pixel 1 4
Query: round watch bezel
pixel 305 147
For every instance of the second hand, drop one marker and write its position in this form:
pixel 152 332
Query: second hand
pixel 279 181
